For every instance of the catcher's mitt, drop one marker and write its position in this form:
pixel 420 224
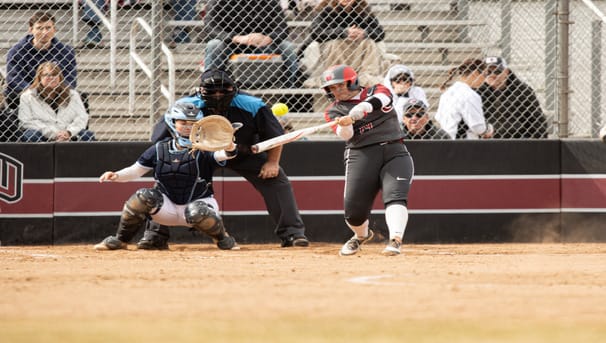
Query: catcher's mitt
pixel 212 133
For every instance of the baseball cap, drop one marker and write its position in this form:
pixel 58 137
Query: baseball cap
pixel 398 70
pixel 412 102
pixel 495 61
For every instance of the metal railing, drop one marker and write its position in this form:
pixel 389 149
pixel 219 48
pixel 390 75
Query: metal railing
pixel 134 57
pixel 110 24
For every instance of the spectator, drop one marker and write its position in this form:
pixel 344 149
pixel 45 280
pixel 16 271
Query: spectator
pixel 510 104
pixel 400 82
pixel 348 33
pixel 248 26
pixel 376 158
pixel 38 46
pixel 50 111
pixel 219 95
pixel 417 124
pixel 183 9
pixel 460 108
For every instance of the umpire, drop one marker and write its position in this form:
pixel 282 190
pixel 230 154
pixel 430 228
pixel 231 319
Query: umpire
pixel 219 95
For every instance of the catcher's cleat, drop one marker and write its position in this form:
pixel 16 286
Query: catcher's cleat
pixel 352 246
pixel 110 243
pixel 152 244
pixel 227 243
pixel 295 241
pixel 155 237
pixel 392 248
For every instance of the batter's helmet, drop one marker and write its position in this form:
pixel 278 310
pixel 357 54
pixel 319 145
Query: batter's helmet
pixel 339 74
pixel 181 111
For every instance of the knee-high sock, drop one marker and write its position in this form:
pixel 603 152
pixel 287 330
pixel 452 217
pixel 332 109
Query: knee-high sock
pixel 361 231
pixel 396 217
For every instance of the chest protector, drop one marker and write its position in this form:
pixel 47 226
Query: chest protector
pixel 178 175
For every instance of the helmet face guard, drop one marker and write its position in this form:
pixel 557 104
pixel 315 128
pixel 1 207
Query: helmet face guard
pixel 181 111
pixel 340 74
pixel 217 89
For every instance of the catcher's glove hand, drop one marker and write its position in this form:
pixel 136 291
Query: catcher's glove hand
pixel 212 133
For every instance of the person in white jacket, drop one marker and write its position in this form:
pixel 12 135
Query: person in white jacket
pixel 49 110
pixel 400 80
pixel 460 111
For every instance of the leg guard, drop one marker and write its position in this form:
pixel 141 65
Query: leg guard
pixel 204 219
pixel 155 237
pixel 136 210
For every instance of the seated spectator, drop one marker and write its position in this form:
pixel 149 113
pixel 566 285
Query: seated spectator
pixel 183 9
pixel 400 81
pixel 417 124
pixel 460 108
pixel 250 27
pixel 50 111
pixel 348 33
pixel 38 46
pixel 510 104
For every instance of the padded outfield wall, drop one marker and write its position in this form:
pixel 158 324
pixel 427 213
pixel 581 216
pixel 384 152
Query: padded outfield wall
pixel 463 192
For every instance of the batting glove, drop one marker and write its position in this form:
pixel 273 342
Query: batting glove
pixel 359 111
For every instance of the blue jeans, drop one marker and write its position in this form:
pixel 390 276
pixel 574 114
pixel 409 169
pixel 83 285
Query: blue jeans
pixel 184 10
pixel 30 135
pixel 218 52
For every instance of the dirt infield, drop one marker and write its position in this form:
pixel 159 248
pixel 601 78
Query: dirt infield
pixel 261 293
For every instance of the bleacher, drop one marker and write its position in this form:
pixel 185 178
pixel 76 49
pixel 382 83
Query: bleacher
pixel 428 36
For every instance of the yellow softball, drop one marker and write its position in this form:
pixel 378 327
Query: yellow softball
pixel 279 109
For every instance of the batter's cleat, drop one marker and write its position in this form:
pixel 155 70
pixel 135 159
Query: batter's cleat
pixel 352 246
pixel 392 248
pixel 295 241
pixel 227 243
pixel 110 243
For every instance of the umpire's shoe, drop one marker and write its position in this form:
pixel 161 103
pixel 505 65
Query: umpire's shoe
pixel 295 241
pixel 110 243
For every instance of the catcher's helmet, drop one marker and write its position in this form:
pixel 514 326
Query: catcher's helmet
pixel 217 89
pixel 339 74
pixel 181 111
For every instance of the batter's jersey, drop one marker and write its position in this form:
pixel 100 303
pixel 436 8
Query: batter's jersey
pixel 380 125
pixel 460 103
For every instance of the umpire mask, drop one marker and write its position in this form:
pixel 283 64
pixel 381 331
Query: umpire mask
pixel 217 89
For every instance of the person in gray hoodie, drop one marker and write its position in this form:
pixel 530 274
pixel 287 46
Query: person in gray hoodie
pixel 400 81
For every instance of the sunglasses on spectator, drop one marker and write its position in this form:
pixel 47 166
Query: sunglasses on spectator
pixel 497 71
pixel 419 114
pixel 401 79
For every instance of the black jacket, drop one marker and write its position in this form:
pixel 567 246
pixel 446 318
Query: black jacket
pixel 228 18
pixel 330 24
pixel 514 111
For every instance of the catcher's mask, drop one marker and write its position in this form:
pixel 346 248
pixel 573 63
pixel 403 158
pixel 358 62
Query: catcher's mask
pixel 217 89
pixel 339 74
pixel 182 111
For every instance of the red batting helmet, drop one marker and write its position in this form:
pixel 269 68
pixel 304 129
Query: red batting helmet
pixel 339 74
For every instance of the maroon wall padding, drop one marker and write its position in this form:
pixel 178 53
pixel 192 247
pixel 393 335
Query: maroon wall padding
pixel 463 191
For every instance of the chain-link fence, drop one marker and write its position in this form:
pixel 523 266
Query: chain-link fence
pixel 135 57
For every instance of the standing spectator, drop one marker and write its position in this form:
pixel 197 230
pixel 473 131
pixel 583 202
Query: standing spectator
pixel 38 46
pixel 375 156
pixel 400 82
pixel 248 26
pixel 510 104
pixel 183 195
pixel 183 9
pixel 460 108
pixel 219 95
pixel 348 33
pixel 50 111
pixel 417 124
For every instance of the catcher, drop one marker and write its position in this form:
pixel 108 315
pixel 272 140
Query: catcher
pixel 183 194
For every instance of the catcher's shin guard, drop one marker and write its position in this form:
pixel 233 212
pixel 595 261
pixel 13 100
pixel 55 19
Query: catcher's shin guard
pixel 204 219
pixel 136 210
pixel 155 237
